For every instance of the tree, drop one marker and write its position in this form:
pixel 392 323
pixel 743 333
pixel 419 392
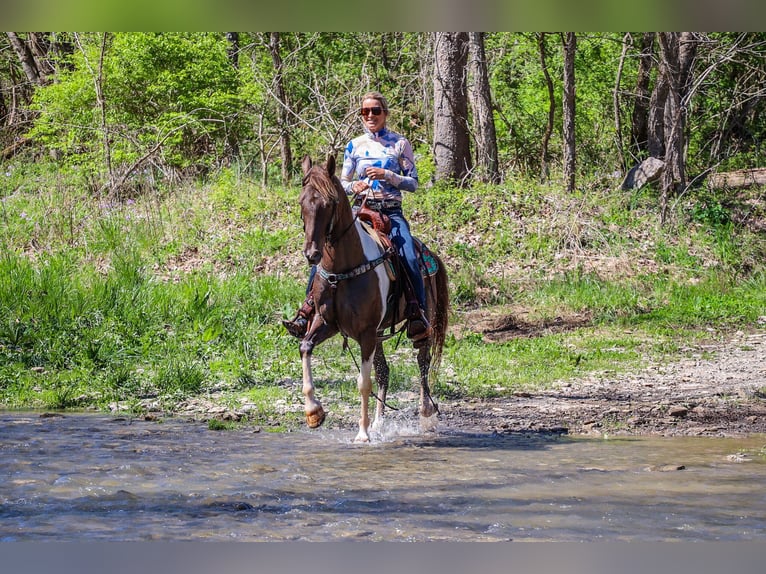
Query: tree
pixel 677 56
pixel 27 58
pixel 452 153
pixel 570 47
pixel 544 167
pixel 639 133
pixel 483 117
pixel 172 99
pixel 233 50
pixel 727 114
pixel 279 90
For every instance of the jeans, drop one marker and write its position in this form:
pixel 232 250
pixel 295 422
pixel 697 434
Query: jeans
pixel 405 246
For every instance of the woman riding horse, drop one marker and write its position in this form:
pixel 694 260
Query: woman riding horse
pixel 354 295
pixel 377 167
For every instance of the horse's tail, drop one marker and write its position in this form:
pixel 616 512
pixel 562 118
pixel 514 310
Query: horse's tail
pixel 440 320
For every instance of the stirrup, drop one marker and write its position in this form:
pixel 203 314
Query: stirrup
pixel 297 327
pixel 419 330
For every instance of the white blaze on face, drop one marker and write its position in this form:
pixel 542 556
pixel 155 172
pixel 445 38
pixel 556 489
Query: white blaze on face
pixel 372 251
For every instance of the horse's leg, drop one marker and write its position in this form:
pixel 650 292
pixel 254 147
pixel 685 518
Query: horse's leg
pixel 364 384
pixel 428 407
pixel 381 378
pixel 318 332
pixel 312 407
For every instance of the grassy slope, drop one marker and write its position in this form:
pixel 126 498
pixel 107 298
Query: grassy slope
pixel 176 295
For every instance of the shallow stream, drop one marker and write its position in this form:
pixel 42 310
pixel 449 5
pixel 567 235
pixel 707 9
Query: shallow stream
pixel 82 477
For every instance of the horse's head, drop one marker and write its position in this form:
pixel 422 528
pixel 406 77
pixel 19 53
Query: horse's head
pixel 319 199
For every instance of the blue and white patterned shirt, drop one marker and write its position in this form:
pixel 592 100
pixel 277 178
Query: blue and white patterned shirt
pixel 385 149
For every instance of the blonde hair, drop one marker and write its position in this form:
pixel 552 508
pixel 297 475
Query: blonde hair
pixel 377 96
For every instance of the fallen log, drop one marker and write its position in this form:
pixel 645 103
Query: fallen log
pixel 738 179
pixel 9 151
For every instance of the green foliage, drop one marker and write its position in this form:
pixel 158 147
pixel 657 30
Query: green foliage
pixel 175 92
pixel 174 103
pixel 533 363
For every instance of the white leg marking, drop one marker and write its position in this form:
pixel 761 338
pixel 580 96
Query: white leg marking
pixel 364 383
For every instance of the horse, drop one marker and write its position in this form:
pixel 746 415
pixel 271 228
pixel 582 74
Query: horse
pixel 353 295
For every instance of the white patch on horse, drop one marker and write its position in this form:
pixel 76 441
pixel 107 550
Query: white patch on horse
pixel 372 251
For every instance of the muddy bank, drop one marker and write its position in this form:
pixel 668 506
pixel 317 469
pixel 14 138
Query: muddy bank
pixel 719 390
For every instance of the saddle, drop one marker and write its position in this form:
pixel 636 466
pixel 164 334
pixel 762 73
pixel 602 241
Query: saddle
pixel 380 222
pixel 378 226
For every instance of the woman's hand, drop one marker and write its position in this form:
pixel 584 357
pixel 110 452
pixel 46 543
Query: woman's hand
pixel 359 186
pixel 374 173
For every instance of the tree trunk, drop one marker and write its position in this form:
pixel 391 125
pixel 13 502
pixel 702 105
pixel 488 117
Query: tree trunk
pixel 544 168
pixel 656 126
pixel 279 88
pixel 40 45
pixel 639 136
pixel 626 42
pixel 677 53
pixel 27 59
pixel 739 179
pixel 483 118
pixel 570 48
pixel 233 49
pixel 4 111
pixel 452 153
pixel 102 106
pixel 98 85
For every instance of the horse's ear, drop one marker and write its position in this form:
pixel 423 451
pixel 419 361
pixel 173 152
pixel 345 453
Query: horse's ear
pixel 331 164
pixel 306 164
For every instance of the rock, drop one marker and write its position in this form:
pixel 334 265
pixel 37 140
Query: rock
pixel 678 411
pixel 665 468
pixel 738 457
pixel 647 171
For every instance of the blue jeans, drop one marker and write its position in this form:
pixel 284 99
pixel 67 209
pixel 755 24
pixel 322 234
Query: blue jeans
pixel 405 246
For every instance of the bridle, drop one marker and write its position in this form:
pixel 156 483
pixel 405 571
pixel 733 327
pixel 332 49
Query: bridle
pixel 329 239
pixel 332 241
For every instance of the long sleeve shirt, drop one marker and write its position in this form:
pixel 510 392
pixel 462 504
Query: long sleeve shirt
pixel 386 149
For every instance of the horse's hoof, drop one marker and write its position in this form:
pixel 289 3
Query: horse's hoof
pixel 429 424
pixel 315 419
pixel 429 410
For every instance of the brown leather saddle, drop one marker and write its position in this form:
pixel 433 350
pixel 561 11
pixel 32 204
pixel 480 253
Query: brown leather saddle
pixel 378 225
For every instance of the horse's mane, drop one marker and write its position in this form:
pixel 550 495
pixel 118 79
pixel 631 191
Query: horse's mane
pixel 327 187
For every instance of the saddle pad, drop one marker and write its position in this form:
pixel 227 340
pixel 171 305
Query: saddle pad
pixel 428 264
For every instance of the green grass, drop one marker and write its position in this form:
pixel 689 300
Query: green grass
pixel 179 294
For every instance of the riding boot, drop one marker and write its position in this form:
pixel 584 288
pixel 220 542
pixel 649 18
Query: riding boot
pixel 298 326
pixel 418 328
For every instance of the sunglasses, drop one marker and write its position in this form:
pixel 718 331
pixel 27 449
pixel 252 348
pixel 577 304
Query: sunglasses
pixel 374 111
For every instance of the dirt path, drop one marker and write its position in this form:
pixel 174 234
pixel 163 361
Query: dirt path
pixel 718 391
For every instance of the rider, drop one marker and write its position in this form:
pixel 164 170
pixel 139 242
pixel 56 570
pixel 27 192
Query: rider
pixel 380 164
